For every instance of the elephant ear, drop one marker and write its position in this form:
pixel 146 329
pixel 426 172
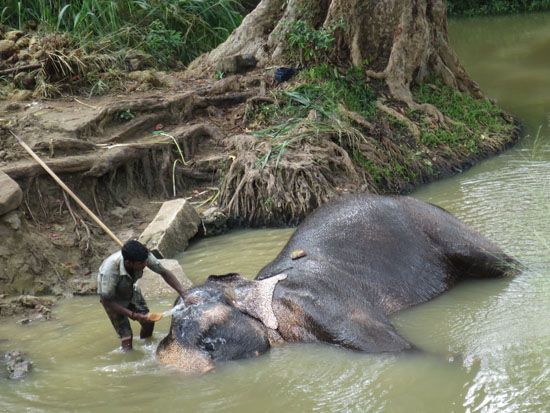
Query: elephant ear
pixel 255 298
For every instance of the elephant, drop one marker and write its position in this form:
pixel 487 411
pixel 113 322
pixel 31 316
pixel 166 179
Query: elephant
pixel 347 268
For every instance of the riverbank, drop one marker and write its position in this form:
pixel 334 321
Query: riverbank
pixel 470 8
pixel 206 140
pixel 261 150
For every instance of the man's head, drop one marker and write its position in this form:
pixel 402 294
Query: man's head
pixel 135 255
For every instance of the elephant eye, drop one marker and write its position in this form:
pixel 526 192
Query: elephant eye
pixel 210 344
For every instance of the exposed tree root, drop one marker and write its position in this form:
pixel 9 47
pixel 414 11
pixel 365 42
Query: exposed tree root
pixel 405 42
pixel 413 128
pixel 284 189
pixel 111 157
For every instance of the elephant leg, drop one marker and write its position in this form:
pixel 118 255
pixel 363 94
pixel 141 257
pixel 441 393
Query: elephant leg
pixel 468 253
pixel 472 255
pixel 368 332
pixel 354 324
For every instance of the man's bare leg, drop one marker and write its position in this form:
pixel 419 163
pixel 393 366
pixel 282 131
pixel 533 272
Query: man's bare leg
pixel 146 330
pixel 126 343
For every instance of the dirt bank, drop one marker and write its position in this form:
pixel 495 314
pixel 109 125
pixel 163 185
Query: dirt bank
pixel 124 154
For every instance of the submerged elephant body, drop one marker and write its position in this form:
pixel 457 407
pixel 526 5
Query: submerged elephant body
pixel 360 259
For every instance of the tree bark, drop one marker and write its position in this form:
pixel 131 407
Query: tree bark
pixel 402 41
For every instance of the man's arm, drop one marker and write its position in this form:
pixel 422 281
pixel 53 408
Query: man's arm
pixel 171 280
pixel 119 309
pixel 154 264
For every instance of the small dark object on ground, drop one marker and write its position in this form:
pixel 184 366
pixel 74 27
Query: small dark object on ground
pixel 283 74
pixel 17 365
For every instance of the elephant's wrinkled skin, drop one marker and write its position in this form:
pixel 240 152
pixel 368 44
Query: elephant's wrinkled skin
pixel 367 257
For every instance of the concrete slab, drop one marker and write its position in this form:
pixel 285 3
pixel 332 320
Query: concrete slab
pixel 11 194
pixel 170 231
pixel 153 285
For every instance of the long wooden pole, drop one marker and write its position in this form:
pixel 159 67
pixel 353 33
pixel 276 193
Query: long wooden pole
pixel 66 188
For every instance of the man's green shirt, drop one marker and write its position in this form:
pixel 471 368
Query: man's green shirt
pixel 114 282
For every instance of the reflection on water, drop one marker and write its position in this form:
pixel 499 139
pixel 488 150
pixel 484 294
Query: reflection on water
pixel 486 343
pixel 244 252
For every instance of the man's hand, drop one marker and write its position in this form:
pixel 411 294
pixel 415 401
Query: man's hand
pixel 141 318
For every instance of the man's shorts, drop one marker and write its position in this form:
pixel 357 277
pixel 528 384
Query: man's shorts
pixel 120 322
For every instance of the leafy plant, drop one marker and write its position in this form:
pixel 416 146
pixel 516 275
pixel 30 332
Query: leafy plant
pixel 162 43
pixel 171 29
pixel 126 115
pixel 308 45
pixel 474 119
pixel 493 7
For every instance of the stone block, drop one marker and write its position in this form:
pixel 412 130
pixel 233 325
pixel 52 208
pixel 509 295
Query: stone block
pixel 172 228
pixel 153 285
pixel 11 195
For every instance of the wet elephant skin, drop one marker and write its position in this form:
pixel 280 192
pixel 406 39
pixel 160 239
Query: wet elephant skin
pixel 366 257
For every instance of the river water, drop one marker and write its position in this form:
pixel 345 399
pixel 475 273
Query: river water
pixel 487 343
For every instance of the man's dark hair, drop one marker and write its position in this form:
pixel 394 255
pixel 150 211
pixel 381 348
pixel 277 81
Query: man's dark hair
pixel 134 251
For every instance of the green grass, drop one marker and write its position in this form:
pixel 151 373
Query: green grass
pixel 170 31
pixel 320 88
pixel 475 119
pixel 310 108
pixel 328 86
pixel 494 7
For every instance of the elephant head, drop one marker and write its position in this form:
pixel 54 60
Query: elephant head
pixel 226 318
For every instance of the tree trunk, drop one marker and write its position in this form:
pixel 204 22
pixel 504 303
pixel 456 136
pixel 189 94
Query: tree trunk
pixel 403 41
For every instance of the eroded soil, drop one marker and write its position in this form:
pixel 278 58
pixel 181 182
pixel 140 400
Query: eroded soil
pixel 118 153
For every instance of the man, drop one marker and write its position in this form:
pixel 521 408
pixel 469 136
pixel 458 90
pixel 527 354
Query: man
pixel 119 295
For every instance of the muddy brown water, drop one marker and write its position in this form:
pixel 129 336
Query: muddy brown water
pixel 487 343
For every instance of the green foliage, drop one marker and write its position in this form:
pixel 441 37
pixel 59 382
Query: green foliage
pixel 474 119
pixel 308 45
pixel 312 108
pixel 322 88
pixel 376 171
pixel 170 30
pixel 126 115
pixel 277 150
pixel 493 7
pixel 162 43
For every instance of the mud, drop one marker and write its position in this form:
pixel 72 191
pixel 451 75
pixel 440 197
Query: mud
pixel 124 154
pixel 118 154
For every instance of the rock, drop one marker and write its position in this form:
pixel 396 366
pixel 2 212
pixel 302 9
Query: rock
pixel 34 308
pixel 30 25
pixel 83 285
pixel 20 95
pixel 11 195
pixel 236 64
pixel 17 365
pixel 31 301
pixel 14 35
pixel 145 77
pixel 172 228
pixel 10 107
pixel 153 285
pixel 136 60
pixel 22 43
pixel 120 212
pixel 7 48
pixel 214 221
pixel 12 220
pixel 28 81
pixel 23 56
